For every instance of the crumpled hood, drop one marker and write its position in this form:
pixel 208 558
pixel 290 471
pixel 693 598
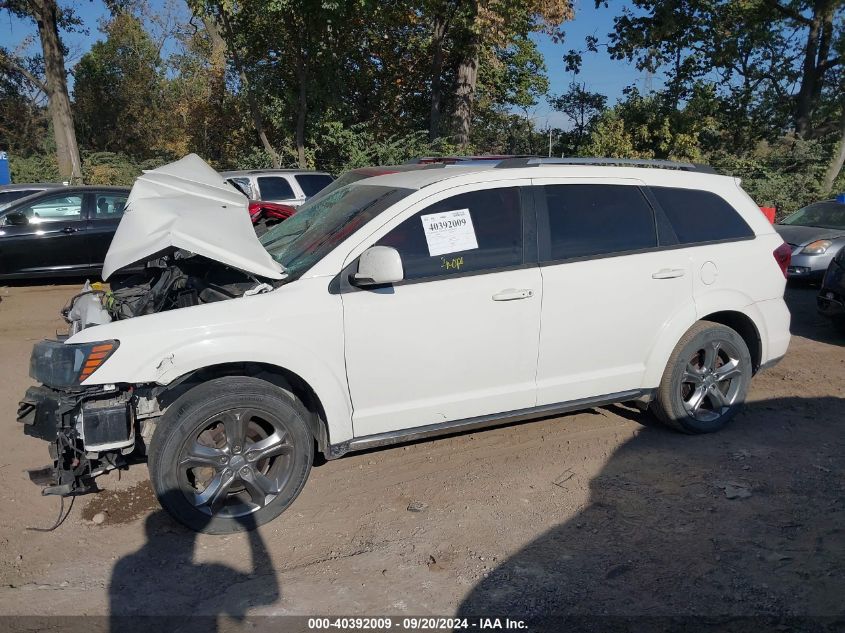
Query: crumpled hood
pixel 188 205
pixel 797 235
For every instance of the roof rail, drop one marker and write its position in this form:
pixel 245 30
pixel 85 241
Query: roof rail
pixel 621 162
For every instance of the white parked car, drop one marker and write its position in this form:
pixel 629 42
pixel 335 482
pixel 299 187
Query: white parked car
pixel 398 307
pixel 284 186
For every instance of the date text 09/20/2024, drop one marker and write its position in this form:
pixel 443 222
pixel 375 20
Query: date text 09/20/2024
pixel 416 624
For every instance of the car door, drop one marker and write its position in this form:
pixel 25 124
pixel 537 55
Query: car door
pixel 458 337
pixel 277 189
pixel 105 208
pixel 52 240
pixel 609 287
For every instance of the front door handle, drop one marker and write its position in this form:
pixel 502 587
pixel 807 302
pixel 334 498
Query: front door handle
pixel 69 229
pixel 668 273
pixel 512 294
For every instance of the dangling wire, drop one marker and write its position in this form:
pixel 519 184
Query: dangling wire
pixel 60 519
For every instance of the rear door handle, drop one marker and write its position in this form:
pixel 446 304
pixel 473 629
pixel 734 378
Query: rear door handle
pixel 512 294
pixel 69 229
pixel 668 273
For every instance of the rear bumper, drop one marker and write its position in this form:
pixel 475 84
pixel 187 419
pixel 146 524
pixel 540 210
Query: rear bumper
pixel 773 326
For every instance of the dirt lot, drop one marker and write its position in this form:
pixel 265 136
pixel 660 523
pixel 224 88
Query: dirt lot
pixel 597 513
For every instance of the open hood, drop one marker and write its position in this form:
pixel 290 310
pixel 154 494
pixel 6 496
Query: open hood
pixel 188 205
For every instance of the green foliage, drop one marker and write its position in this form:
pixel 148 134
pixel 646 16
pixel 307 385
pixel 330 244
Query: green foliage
pixel 120 103
pixel 786 174
pixel 34 168
pixel 108 168
pixel 342 148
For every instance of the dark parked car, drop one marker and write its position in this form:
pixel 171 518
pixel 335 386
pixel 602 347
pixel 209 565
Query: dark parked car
pixel 831 299
pixel 10 193
pixel 59 232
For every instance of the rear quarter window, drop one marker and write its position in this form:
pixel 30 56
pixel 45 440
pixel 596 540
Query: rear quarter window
pixel 311 184
pixel 700 216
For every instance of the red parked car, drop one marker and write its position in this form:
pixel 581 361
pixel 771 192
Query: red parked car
pixel 266 214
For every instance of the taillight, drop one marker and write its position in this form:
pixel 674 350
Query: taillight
pixel 783 254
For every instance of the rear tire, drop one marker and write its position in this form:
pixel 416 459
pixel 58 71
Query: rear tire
pixel 230 454
pixel 705 381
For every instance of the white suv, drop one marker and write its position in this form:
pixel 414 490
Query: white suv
pixel 398 307
pixel 285 186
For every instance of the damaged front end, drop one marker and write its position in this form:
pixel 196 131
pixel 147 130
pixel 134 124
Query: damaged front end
pixel 90 429
pixel 97 428
pixel 191 233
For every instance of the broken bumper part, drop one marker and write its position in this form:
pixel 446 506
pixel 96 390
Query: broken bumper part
pixel 88 434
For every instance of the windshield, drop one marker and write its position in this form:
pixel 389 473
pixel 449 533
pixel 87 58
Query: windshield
pixel 825 215
pixel 312 232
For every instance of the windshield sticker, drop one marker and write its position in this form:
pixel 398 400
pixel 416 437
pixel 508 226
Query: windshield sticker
pixel 449 232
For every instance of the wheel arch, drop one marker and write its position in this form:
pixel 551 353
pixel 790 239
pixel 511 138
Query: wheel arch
pixel 274 374
pixel 736 319
pixel 743 325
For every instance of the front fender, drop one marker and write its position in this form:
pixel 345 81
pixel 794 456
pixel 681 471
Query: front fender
pixel 298 328
pixel 328 382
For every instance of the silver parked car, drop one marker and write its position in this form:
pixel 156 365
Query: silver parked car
pixel 816 234
pixel 285 186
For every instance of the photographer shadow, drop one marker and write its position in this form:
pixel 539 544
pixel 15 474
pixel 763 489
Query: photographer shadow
pixel 160 587
pixel 737 531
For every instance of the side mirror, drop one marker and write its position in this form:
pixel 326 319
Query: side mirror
pixel 378 265
pixel 17 219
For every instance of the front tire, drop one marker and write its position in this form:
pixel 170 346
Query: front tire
pixel 705 381
pixel 230 454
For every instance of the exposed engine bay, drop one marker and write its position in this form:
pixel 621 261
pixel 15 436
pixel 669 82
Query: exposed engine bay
pixel 174 281
pixel 95 429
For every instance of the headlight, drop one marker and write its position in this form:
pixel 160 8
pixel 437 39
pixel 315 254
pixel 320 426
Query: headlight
pixel 60 365
pixel 819 247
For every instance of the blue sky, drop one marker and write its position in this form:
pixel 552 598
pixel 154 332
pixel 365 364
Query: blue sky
pixel 599 72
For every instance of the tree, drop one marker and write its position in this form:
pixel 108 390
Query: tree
pixel 581 107
pixel 24 124
pixel 48 18
pixel 217 19
pixel 756 50
pixel 119 95
pixel 494 25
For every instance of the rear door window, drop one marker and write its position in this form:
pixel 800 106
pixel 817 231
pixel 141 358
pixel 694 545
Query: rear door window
pixel 275 188
pixel 585 220
pixel 109 205
pixel 700 216
pixel 311 184
pixel 471 232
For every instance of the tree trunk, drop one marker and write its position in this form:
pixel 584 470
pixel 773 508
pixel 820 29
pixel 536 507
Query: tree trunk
pixel 465 93
pixel 67 150
pixel 302 110
pixel 814 66
pixel 217 85
pixel 838 158
pixel 246 85
pixel 437 37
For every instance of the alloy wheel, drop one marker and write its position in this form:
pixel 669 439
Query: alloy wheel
pixel 235 462
pixel 711 381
